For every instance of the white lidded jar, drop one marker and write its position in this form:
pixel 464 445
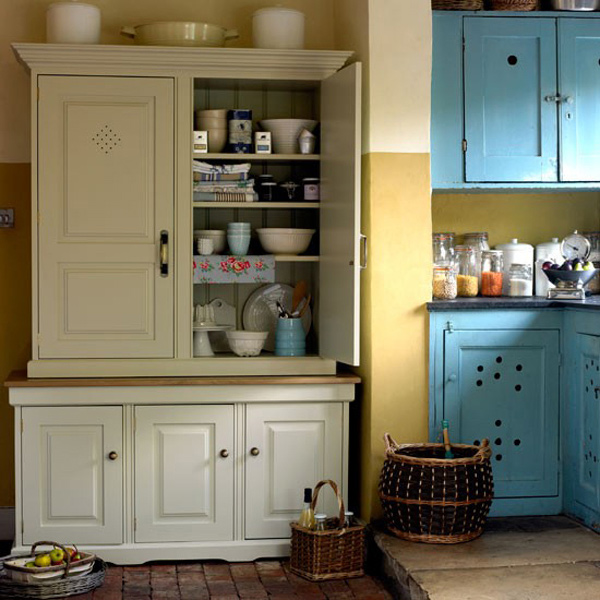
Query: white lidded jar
pixel 514 253
pixel 72 23
pixel 278 27
pixel 546 251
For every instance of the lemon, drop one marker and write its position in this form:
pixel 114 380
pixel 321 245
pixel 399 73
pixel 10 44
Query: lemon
pixel 42 560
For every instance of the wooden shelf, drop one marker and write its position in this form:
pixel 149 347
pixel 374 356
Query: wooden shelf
pixel 256 205
pixel 295 258
pixel 257 157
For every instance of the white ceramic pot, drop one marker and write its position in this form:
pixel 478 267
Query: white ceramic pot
pixel 180 33
pixel 72 23
pixel 514 253
pixel 278 27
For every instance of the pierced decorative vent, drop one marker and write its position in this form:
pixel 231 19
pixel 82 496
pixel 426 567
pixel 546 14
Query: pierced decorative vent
pixel 106 139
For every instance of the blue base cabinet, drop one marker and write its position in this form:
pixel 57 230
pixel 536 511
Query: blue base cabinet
pixel 495 374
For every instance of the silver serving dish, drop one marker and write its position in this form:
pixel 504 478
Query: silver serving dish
pixel 575 4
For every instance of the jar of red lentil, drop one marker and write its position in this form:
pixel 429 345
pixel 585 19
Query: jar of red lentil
pixel 492 265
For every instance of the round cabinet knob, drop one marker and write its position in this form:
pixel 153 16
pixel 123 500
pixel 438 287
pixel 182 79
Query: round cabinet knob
pixel 452 377
pixel 224 453
pixel 113 455
pixel 254 451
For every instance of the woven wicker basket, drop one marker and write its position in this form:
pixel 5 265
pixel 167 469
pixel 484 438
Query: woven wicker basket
pixel 520 5
pixel 429 498
pixel 456 4
pixel 331 554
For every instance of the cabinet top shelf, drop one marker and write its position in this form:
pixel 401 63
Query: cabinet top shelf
pixel 257 205
pixel 256 157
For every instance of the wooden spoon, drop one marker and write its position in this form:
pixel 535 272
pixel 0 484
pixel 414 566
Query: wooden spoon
pixel 305 305
pixel 298 294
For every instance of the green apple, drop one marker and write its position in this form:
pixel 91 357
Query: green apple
pixel 42 560
pixel 57 556
pixel 30 564
pixel 589 266
pixel 578 267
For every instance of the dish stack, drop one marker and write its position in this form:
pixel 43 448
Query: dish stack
pixel 215 123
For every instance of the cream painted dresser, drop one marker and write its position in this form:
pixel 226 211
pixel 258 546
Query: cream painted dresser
pixel 126 443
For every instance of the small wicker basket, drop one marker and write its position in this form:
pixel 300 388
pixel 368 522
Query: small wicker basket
pixel 517 5
pixel 336 553
pixel 429 498
pixel 456 4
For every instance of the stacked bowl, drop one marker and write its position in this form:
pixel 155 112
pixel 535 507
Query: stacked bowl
pixel 285 133
pixel 238 238
pixel 215 123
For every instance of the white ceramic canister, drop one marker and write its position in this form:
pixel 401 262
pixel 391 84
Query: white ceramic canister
pixel 514 253
pixel 278 27
pixel 546 251
pixel 72 23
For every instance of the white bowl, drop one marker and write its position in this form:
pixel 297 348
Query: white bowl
pixel 246 343
pixel 218 237
pixel 285 133
pixel 284 240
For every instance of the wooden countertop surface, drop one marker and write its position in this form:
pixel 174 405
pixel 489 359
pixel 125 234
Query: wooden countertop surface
pixel 20 379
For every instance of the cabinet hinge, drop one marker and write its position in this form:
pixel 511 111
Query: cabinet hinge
pixel 464 145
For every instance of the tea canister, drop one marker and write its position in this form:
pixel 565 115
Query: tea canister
pixel 311 188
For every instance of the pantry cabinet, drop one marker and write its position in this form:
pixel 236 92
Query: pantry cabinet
pixel 522 91
pixel 115 208
pixel 141 470
pixel 495 375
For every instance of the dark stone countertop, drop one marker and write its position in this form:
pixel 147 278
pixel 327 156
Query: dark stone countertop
pixel 503 303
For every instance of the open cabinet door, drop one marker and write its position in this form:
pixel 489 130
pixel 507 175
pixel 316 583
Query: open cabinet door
pixel 339 271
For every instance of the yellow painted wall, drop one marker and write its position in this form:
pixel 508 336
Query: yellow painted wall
pixel 532 218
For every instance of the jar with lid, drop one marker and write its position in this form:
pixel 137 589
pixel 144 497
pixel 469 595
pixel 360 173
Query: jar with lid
pixel 467 282
pixel 311 188
pixel 520 280
pixel 478 240
pixel 514 252
pixel 320 520
pixel 594 238
pixel 444 282
pixel 492 265
pixel 443 248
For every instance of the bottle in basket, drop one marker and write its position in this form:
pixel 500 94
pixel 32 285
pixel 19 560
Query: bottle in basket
pixel 307 516
pixel 320 522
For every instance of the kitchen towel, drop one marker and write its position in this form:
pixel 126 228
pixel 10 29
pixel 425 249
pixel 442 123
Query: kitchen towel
pixel 223 268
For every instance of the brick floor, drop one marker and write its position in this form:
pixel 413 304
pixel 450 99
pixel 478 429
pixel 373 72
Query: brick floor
pixel 270 580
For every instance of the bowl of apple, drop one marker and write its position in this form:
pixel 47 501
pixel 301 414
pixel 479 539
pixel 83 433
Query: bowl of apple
pixel 574 273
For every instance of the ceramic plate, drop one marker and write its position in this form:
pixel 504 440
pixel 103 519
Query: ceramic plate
pixel 261 314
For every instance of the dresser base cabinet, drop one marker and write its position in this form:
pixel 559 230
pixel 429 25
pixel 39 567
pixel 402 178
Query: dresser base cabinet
pixel 174 472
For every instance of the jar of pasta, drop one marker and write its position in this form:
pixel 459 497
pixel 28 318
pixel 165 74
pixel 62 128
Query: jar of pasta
pixel 492 265
pixel 467 282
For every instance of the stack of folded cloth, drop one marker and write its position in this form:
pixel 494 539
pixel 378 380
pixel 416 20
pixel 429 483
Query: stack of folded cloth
pixel 223 183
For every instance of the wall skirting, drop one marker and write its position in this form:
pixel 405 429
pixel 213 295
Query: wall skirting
pixel 7 523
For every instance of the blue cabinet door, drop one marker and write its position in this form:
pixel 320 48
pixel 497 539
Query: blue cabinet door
pixel 504 385
pixel 510 128
pixel 579 84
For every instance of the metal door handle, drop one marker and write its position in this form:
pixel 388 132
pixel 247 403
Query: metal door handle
pixel 364 255
pixel 164 253
pixel 113 455
pixel 452 377
pixel 254 451
pixel 224 453
pixel 554 98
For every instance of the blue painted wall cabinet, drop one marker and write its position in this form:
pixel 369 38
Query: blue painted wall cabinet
pixel 524 95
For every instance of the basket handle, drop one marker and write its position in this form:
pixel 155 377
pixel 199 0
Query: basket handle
pixel 390 444
pixel 336 491
pixel 56 545
pixel 484 451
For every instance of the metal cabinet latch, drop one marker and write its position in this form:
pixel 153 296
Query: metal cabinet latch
pixel 450 327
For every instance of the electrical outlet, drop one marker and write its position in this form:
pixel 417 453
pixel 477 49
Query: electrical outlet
pixel 7 217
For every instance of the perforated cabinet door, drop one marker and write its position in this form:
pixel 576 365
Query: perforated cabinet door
pixel 504 385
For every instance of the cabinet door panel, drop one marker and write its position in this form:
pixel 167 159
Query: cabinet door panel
pixel 339 266
pixel 579 84
pixel 184 488
pixel 71 490
pixel 299 445
pixel 510 67
pixel 504 385
pixel 105 160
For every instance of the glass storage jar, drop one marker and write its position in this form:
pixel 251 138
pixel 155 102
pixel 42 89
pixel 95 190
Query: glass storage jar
pixel 478 240
pixel 520 280
pixel 492 265
pixel 594 238
pixel 444 282
pixel 443 248
pixel 467 282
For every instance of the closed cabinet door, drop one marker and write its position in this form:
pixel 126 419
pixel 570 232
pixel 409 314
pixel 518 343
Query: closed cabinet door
pixel 289 448
pixel 72 474
pixel 579 84
pixel 510 116
pixel 105 202
pixel 504 385
pixel 184 470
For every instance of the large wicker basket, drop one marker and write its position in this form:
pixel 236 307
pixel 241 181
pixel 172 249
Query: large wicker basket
pixel 336 553
pixel 519 5
pixel 456 4
pixel 429 498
